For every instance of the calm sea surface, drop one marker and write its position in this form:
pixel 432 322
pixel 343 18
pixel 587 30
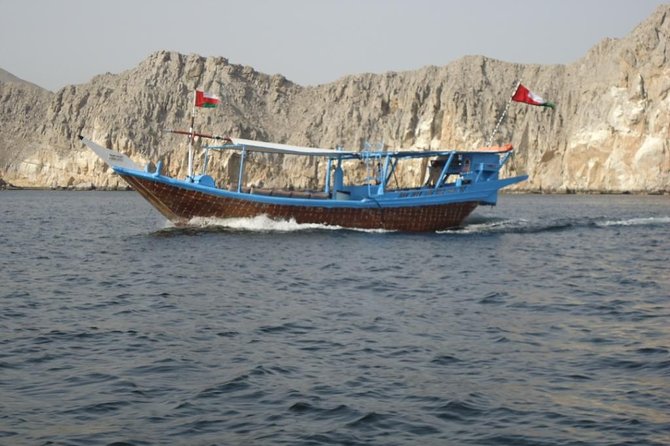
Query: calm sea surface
pixel 545 321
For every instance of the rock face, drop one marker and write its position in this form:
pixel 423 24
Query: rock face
pixel 22 120
pixel 609 132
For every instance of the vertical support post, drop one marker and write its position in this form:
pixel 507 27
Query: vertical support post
pixel 338 180
pixel 445 169
pixel 328 169
pixel 365 154
pixel 241 174
pixel 504 159
pixel 394 164
pixel 384 175
pixel 190 141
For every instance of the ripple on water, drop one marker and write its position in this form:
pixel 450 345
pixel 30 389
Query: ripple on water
pixel 543 321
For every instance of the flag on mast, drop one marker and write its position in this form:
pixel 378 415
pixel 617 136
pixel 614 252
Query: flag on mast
pixel 522 94
pixel 205 100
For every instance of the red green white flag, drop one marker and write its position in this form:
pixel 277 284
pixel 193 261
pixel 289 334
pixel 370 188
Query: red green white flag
pixel 522 94
pixel 205 100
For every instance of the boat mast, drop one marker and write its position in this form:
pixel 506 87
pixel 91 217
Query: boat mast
pixel 190 140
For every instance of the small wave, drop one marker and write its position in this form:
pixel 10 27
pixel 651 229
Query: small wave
pixel 234 385
pixel 125 443
pixel 494 298
pixel 637 363
pixel 301 407
pixel 369 421
pixel 640 221
pixel 445 360
pixel 100 408
pixel 490 226
pixel 653 350
pixel 341 411
pixel 522 226
pixel 458 410
pixel 289 327
pixel 579 377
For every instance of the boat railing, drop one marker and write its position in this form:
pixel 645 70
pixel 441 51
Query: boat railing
pixel 277 192
pixel 448 171
pixel 306 194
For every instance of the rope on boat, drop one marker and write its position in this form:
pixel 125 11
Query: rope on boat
pixel 502 116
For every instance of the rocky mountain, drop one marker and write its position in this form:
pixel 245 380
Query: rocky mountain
pixel 22 112
pixel 608 133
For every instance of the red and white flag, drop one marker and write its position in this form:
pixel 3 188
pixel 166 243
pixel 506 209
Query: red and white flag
pixel 205 100
pixel 522 94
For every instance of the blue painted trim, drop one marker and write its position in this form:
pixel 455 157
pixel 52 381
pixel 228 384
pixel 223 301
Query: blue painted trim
pixel 482 192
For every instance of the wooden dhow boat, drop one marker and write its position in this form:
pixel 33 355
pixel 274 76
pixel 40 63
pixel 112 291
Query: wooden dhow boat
pixel 455 183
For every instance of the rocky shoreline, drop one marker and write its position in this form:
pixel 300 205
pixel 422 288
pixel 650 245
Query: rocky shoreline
pixel 80 188
pixel 4 185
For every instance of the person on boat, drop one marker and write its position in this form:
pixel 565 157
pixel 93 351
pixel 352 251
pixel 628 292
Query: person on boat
pixel 378 177
pixel 434 170
pixel 466 165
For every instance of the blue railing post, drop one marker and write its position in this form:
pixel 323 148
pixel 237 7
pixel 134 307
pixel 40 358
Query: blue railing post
pixel 241 175
pixel 444 170
pixel 384 174
pixel 330 166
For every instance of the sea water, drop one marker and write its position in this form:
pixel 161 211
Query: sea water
pixel 544 321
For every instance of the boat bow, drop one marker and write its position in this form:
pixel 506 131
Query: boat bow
pixel 110 157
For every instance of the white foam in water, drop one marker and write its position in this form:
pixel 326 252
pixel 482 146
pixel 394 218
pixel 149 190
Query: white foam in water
pixel 262 223
pixel 488 227
pixel 636 221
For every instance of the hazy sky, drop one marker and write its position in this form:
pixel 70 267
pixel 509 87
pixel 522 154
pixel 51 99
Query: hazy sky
pixel 54 43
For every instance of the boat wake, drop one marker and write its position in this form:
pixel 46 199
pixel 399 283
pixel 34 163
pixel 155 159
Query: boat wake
pixel 261 223
pixel 475 225
pixel 521 226
pixel 644 221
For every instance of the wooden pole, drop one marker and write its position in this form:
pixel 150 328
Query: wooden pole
pixel 190 140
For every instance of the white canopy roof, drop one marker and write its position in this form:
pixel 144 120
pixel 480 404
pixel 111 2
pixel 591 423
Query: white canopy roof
pixel 271 147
